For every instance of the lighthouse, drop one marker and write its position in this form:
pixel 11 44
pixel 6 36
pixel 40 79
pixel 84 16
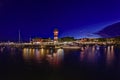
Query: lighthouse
pixel 56 36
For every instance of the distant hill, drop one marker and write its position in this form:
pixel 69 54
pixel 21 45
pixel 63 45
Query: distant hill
pixel 110 31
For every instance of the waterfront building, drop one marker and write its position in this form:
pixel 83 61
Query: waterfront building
pixel 41 40
pixel 37 40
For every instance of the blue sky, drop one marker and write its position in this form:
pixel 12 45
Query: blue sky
pixel 38 18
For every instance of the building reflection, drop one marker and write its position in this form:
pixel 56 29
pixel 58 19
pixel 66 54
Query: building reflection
pixel 26 53
pixel 37 55
pixel 55 59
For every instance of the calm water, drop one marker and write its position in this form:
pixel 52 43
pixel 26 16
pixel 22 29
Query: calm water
pixel 89 63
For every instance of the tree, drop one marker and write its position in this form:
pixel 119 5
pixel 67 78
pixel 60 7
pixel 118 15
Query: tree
pixel 67 39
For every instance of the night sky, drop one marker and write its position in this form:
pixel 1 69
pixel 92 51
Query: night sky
pixel 38 18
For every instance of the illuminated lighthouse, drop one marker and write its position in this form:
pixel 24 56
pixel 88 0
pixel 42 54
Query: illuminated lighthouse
pixel 55 35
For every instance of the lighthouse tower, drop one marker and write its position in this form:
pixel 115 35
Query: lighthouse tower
pixel 55 36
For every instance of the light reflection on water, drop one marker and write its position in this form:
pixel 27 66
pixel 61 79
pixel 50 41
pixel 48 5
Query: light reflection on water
pixel 56 58
pixel 110 55
pixel 91 54
pixel 30 54
pixel 92 62
pixel 37 55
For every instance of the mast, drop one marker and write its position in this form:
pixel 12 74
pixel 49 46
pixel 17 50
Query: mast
pixel 30 39
pixel 19 36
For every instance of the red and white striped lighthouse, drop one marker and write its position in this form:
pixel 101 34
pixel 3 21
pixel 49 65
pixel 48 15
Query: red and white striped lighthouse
pixel 55 35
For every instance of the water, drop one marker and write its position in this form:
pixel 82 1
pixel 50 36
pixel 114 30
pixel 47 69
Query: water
pixel 89 63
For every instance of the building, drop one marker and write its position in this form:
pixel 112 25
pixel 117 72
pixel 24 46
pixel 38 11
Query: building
pixel 56 35
pixel 41 40
pixel 37 40
pixel 47 40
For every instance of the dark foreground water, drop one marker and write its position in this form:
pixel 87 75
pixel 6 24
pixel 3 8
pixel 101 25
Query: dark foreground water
pixel 90 63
